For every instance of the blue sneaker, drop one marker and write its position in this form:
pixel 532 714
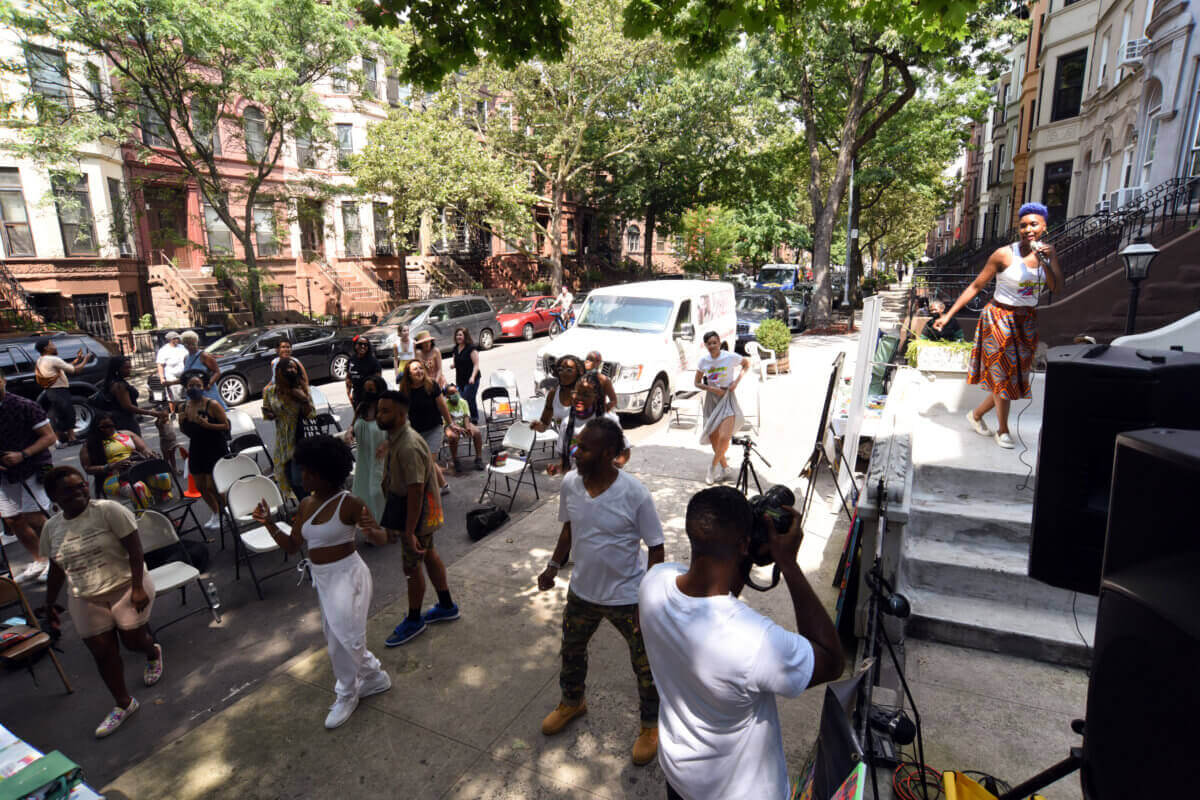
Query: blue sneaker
pixel 405 631
pixel 439 614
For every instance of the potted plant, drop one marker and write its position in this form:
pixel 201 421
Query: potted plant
pixel 773 335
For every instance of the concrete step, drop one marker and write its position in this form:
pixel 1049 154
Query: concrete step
pixel 1042 634
pixel 952 462
pixel 962 519
pixel 982 571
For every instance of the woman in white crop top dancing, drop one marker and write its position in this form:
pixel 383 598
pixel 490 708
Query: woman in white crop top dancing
pixel 1006 336
pixel 326 522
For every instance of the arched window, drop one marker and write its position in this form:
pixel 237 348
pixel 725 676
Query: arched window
pixel 1153 108
pixel 633 239
pixel 255 124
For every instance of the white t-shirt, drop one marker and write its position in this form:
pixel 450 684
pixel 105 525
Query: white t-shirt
pixel 718 665
pixel 406 354
pixel 569 447
pixel 171 357
pixel 606 537
pixel 565 300
pixel 719 371
pixel 89 548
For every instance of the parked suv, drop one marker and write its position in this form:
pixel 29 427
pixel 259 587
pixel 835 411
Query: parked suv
pixel 440 316
pixel 245 356
pixel 755 306
pixel 17 358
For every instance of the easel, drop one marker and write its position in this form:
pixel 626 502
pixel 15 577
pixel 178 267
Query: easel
pixel 819 455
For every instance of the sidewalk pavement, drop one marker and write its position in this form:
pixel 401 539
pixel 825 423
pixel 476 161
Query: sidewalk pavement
pixel 463 717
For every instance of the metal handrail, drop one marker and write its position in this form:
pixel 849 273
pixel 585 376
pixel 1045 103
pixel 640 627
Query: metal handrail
pixel 20 300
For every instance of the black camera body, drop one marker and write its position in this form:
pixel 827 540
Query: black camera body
pixel 770 518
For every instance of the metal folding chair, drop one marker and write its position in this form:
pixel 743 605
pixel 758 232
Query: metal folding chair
pixel 244 495
pixel 498 414
pixel 157 533
pixel 519 438
pixel 179 509
pixel 226 471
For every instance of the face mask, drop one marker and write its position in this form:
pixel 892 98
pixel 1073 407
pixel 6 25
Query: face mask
pixel 453 398
pixel 195 393
pixel 370 393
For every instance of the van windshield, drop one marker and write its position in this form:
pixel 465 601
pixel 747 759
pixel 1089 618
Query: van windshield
pixel 640 314
pixel 403 314
pixel 776 274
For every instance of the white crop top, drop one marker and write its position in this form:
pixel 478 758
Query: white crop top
pixel 560 410
pixel 332 532
pixel 1018 285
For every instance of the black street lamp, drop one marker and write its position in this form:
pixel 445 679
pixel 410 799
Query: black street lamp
pixel 1137 256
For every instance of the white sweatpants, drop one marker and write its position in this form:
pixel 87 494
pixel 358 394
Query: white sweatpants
pixel 344 592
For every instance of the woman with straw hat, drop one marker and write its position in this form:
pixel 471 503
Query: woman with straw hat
pixel 431 357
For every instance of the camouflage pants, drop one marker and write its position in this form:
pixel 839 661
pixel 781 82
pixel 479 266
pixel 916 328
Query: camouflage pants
pixel 580 621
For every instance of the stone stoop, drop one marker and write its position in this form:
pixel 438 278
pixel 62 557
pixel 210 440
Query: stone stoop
pixel 965 554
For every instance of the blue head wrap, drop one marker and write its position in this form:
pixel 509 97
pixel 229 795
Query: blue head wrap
pixel 1033 208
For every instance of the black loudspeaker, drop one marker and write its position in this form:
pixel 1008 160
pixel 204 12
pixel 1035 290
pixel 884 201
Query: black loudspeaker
pixel 1143 698
pixel 1093 393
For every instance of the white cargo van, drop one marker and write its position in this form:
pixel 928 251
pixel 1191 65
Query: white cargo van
pixel 650 335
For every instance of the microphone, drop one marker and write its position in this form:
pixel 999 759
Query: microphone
pixel 893 603
pixel 895 724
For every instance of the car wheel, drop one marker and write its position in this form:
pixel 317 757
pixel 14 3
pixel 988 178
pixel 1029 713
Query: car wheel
pixel 527 332
pixel 656 403
pixel 233 390
pixel 340 366
pixel 486 339
pixel 84 416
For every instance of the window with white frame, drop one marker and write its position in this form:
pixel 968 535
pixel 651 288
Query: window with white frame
pixel 48 79
pixel 633 239
pixel 121 230
pixel 370 70
pixel 341 79
pixel 306 157
pixel 264 228
pixel 1102 70
pixel 75 218
pixel 18 239
pixel 220 237
pixel 1194 151
pixel 1153 109
pixel 345 142
pixel 351 230
pixel 204 124
pixel 255 124
pixel 154 127
pixel 1105 171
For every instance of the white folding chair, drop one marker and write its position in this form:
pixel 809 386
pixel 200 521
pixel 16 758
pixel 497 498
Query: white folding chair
pixel 531 411
pixel 499 412
pixel 762 357
pixel 244 495
pixel 227 470
pixel 690 400
pixel 319 400
pixel 245 438
pixel 156 532
pixel 506 378
pixel 518 438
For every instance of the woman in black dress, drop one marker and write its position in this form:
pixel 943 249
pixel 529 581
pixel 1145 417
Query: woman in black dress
pixel 123 397
pixel 466 369
pixel 204 422
pixel 363 365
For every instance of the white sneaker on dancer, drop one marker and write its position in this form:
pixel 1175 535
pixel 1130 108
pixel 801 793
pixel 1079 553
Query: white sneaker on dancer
pixel 377 685
pixel 1004 440
pixel 978 425
pixel 340 711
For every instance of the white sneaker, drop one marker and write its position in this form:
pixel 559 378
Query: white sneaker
pixel 979 425
pixel 34 571
pixel 723 474
pixel 379 684
pixel 212 523
pixel 710 475
pixel 1004 440
pixel 340 711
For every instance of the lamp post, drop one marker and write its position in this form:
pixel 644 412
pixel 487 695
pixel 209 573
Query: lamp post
pixel 1137 256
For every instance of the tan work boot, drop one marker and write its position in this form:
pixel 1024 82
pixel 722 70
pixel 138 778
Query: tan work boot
pixel 557 719
pixel 646 746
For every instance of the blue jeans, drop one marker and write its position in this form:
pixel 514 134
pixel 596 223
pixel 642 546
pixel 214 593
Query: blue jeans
pixel 468 391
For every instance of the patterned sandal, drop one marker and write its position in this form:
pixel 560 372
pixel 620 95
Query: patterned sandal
pixel 115 719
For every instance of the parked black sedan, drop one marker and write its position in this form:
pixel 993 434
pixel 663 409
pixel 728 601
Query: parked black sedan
pixel 245 356
pixel 753 307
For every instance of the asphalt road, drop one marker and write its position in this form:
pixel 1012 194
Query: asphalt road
pixel 209 666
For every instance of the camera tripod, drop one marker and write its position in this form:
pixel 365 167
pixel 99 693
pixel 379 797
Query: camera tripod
pixel 747 471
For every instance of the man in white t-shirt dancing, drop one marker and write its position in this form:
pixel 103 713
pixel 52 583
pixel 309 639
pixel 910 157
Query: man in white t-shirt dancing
pixel 607 514
pixel 718 664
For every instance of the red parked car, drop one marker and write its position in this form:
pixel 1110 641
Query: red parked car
pixel 525 317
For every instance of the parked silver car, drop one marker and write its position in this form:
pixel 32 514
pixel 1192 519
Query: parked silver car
pixel 440 316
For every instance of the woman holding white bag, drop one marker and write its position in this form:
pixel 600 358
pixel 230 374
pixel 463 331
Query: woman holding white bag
pixel 722 414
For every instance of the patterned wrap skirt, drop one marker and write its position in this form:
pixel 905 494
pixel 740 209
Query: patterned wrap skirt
pixel 1002 359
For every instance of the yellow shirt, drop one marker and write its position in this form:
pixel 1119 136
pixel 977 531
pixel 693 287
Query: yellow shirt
pixel 89 547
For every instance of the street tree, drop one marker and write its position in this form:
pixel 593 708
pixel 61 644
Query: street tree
pixel 562 123
pixel 184 73
pixel 430 160
pixel 708 235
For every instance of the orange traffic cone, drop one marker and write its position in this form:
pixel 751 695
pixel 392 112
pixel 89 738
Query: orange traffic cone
pixel 192 491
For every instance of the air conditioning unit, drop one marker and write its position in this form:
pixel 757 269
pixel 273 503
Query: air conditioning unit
pixel 1131 52
pixel 1102 206
pixel 1124 197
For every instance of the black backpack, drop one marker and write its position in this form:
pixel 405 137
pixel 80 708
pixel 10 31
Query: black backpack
pixel 482 521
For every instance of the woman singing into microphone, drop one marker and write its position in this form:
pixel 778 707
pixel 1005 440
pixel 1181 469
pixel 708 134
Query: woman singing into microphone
pixel 1006 336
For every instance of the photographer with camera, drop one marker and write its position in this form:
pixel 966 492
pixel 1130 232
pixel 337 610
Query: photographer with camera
pixel 718 664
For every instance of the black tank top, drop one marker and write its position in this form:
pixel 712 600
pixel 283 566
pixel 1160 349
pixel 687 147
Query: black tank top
pixel 423 413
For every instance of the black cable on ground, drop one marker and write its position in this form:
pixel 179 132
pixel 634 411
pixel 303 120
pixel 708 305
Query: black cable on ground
pixel 1023 485
pixel 989 782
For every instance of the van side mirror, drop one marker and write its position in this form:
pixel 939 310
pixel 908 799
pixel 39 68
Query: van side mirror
pixel 687 332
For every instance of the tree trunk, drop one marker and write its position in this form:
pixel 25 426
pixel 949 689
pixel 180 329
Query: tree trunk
pixel 648 242
pixel 822 307
pixel 253 296
pixel 554 238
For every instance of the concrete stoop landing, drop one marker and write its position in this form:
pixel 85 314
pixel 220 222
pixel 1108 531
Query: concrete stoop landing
pixel 966 546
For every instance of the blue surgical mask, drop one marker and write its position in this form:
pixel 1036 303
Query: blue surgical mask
pixel 195 393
